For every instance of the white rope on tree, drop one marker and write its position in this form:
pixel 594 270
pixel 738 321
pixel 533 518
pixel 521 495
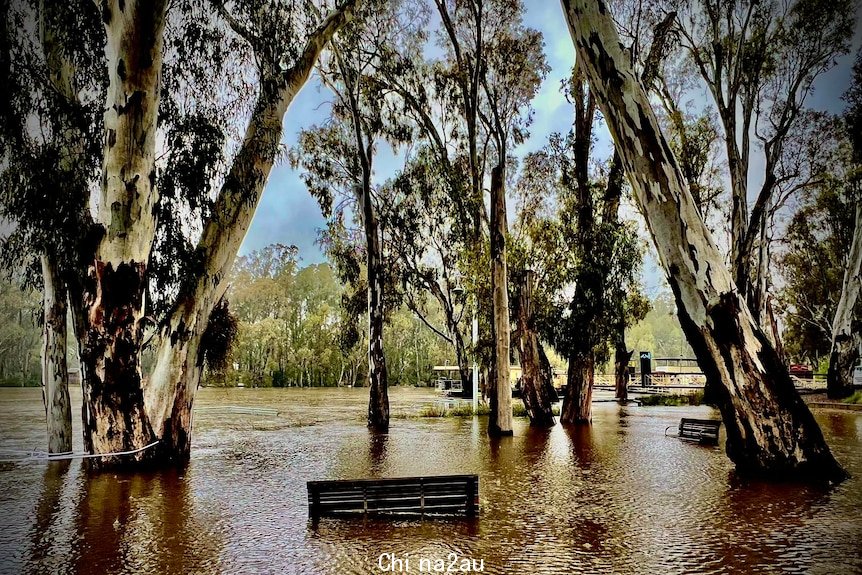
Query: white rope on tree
pixel 38 456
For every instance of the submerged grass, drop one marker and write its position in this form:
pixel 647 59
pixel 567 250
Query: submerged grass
pixel 695 398
pixel 466 410
pixel 461 410
pixel 518 409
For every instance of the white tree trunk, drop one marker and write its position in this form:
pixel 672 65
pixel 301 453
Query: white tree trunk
pixel 845 339
pixel 55 375
pixel 770 431
pixel 500 421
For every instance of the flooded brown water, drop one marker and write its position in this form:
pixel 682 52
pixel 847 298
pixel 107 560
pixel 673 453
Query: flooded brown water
pixel 615 497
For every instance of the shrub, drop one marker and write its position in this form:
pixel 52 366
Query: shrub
pixel 695 398
pixel 459 410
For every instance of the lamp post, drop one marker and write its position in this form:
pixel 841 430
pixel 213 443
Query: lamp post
pixel 475 365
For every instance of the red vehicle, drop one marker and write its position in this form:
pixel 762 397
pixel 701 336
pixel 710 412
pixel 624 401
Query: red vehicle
pixel 801 370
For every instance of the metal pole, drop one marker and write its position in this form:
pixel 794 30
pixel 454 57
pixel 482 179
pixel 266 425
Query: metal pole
pixel 475 366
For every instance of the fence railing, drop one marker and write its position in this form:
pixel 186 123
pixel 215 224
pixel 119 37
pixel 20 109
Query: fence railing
pixel 816 381
pixel 694 380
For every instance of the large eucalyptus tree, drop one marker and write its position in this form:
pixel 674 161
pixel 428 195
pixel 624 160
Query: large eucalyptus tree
pixel 128 292
pixel 770 431
pixel 513 69
pixel 338 158
pixel 847 322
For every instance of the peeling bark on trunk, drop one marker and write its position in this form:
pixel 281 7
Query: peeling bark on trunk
pixel 114 405
pixel 845 339
pixel 55 374
pixel 775 332
pixel 578 407
pixel 116 284
pixel 500 422
pixel 770 431
pixel 534 389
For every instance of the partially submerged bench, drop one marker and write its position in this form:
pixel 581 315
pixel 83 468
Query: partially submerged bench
pixel 434 495
pixel 702 431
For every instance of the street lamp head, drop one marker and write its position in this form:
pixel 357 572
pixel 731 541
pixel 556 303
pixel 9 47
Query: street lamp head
pixel 458 288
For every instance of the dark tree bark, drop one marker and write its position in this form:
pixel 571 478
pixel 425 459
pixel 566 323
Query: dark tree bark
pixel 770 431
pixel 622 356
pixel 547 371
pixel 586 304
pixel 378 384
pixel 577 407
pixel 378 402
pixel 534 383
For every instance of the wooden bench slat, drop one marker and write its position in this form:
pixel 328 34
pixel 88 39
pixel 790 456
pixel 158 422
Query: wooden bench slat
pixel 704 431
pixel 415 495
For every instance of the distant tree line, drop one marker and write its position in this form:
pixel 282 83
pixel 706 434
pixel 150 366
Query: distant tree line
pixel 291 329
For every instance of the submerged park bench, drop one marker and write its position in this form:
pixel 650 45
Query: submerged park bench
pixel 433 495
pixel 702 431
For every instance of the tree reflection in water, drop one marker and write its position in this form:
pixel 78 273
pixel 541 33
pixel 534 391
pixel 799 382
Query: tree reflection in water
pixel 115 522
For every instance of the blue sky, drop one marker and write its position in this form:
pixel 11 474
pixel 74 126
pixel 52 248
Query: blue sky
pixel 289 215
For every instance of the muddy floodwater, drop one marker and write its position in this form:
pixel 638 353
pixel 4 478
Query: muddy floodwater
pixel 615 497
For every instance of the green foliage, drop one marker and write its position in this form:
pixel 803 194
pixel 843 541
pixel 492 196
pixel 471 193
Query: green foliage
pixel 695 398
pixel 466 410
pixel 291 324
pixel 659 330
pixel 50 137
pixel 695 141
pixel 815 245
pixel 853 114
pixel 856 398
pixel 20 335
pixel 219 337
pixel 460 410
pixel 547 239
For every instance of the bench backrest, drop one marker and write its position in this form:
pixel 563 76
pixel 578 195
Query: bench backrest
pixel 703 430
pixel 443 494
pixel 699 424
